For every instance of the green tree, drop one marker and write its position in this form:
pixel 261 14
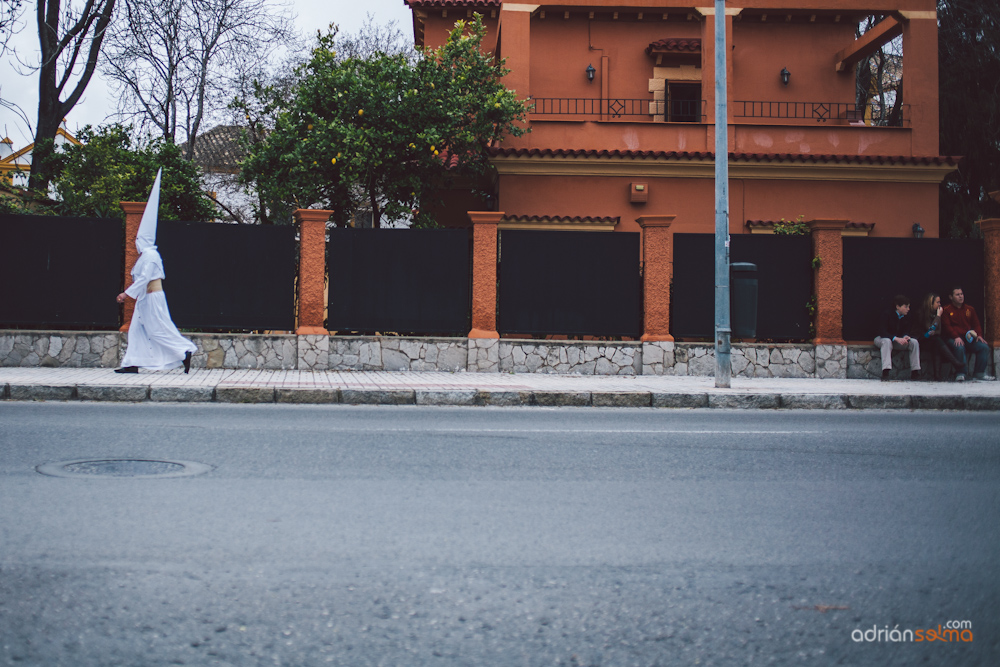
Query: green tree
pixel 382 132
pixel 110 167
pixel 969 67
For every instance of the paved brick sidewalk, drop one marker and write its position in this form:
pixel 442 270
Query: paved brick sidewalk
pixel 436 388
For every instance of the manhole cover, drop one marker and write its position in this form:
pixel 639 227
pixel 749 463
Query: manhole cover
pixel 123 468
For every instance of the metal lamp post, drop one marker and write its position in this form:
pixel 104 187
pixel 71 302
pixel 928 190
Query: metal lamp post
pixel 723 365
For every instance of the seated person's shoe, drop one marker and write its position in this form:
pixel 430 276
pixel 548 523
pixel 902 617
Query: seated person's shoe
pixel 187 362
pixel 960 377
pixel 983 377
pixel 885 375
pixel 127 369
pixel 915 375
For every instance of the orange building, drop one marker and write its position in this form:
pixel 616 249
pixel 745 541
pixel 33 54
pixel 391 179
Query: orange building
pixel 623 100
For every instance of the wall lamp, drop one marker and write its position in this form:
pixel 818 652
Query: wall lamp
pixel 918 231
pixel 590 72
pixel 785 75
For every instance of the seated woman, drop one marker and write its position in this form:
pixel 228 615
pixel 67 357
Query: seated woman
pixel 929 331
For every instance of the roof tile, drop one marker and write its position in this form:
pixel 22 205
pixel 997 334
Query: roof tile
pixel 674 45
pixel 937 160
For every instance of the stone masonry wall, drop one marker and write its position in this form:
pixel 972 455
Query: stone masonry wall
pixel 398 354
pixel 748 360
pixel 76 349
pixel 244 351
pixel 570 357
pixel 375 353
pixel 865 362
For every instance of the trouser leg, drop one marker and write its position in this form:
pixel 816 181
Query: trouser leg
pixel 946 352
pixel 981 350
pixel 885 346
pixel 959 352
pixel 914 347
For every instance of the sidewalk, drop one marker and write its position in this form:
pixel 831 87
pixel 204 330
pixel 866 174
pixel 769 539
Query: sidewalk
pixel 436 388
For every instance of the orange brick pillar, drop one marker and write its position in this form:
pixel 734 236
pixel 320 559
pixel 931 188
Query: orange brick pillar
pixel 484 273
pixel 991 273
pixel 657 272
pixel 312 269
pixel 133 216
pixel 828 245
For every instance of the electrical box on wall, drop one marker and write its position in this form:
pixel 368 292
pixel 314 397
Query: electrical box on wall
pixel 639 193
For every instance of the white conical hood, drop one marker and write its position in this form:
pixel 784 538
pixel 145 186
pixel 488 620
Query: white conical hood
pixel 146 238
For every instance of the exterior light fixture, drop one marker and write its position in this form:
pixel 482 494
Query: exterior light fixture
pixel 918 231
pixel 785 75
pixel 590 72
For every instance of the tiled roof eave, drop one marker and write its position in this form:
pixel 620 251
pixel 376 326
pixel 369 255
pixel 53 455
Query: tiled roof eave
pixel 563 218
pixel 941 160
pixel 771 223
pixel 445 4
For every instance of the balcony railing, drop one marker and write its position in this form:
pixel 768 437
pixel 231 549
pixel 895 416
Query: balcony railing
pixel 822 112
pixel 693 111
pixel 672 111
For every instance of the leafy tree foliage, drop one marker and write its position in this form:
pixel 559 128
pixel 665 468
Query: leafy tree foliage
pixel 384 132
pixel 110 167
pixel 969 74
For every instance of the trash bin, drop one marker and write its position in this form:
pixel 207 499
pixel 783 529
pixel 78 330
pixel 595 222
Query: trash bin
pixel 743 299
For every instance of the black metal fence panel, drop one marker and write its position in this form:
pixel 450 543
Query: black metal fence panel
pixel 570 283
pixel 875 270
pixel 784 284
pixel 399 280
pixel 60 272
pixel 229 277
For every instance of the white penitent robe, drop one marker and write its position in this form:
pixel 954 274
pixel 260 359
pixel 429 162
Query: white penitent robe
pixel 153 340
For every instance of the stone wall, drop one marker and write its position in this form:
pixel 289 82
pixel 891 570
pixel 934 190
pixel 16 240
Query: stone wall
pixel 831 362
pixel 363 353
pixel 748 360
pixel 865 362
pixel 75 349
pixel 244 351
pixel 570 357
pixel 485 355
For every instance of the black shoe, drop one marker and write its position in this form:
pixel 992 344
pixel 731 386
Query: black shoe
pixel 915 375
pixel 885 375
pixel 187 362
pixel 127 369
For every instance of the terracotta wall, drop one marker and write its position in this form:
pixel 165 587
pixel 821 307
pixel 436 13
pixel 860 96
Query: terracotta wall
pixel 436 27
pixel 808 51
pixel 615 135
pixel 815 138
pixel 560 54
pixel 893 207
pixel 692 201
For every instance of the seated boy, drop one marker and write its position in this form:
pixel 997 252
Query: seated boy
pixel 894 330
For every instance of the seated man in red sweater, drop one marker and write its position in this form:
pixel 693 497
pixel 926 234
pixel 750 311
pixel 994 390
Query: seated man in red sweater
pixel 894 333
pixel 957 320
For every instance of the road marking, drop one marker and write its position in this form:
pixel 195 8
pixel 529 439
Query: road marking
pixel 566 430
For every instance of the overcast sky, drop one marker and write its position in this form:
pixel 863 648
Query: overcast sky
pixel 96 104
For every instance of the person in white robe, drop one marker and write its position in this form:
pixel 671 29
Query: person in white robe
pixel 154 342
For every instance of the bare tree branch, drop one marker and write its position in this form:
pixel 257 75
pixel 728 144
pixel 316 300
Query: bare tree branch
pixel 62 50
pixel 170 60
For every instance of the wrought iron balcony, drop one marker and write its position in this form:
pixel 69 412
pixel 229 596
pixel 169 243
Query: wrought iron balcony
pixel 671 111
pixel 821 112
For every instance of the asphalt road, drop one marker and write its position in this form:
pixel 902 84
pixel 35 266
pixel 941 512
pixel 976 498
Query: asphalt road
pixel 478 536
